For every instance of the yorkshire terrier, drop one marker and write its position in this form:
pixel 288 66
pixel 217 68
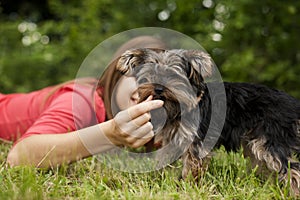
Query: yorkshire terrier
pixel 265 122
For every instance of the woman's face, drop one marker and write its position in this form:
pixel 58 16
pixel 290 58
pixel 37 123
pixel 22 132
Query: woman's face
pixel 126 94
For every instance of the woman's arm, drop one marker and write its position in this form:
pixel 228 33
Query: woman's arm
pixel 49 150
pixel 130 128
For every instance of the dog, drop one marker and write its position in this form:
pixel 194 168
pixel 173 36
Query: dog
pixel 264 122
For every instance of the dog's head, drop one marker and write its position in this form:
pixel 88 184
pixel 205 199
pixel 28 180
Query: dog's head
pixel 174 76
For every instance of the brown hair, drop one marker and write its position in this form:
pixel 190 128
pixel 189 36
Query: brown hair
pixel 111 76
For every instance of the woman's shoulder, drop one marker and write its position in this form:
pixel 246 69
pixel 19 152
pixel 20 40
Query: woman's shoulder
pixel 87 89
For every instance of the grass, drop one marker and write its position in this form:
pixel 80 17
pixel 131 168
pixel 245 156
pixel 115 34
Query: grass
pixel 228 177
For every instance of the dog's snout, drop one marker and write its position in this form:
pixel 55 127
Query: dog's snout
pixel 158 89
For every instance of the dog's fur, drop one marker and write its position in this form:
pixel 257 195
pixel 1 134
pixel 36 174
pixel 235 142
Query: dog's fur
pixel 264 121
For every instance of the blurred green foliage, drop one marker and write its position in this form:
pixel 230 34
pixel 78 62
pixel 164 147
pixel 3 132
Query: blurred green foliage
pixel 252 41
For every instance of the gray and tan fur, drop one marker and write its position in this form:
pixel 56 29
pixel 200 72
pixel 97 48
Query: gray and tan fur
pixel 264 121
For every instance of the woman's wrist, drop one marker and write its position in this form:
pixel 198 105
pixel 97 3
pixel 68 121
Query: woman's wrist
pixel 113 133
pixel 96 139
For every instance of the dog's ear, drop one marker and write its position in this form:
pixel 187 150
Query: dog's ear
pixel 200 63
pixel 130 59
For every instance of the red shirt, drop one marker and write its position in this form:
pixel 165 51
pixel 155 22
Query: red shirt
pixel 49 111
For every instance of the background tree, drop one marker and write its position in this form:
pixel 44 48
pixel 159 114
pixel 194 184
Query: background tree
pixel 44 42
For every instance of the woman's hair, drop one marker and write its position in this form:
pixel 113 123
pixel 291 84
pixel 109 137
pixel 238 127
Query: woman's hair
pixel 111 76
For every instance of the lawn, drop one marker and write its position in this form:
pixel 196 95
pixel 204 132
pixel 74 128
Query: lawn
pixel 228 177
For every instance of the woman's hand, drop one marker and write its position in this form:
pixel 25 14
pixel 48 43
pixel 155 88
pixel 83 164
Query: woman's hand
pixel 131 127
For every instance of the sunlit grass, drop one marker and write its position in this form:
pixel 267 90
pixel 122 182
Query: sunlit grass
pixel 228 177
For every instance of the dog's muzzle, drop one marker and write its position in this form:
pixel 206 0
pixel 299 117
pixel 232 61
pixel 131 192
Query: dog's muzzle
pixel 158 116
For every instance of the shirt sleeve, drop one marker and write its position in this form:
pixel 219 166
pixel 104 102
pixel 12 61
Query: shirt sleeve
pixel 67 112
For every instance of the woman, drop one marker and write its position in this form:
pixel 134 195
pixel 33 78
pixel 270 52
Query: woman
pixel 65 123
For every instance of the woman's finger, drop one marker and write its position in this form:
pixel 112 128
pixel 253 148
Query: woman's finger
pixel 141 120
pixel 141 142
pixel 144 107
pixel 137 110
pixel 141 135
pixel 143 131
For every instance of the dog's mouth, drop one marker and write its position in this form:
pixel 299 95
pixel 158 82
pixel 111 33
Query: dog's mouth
pixel 166 114
pixel 164 117
pixel 159 92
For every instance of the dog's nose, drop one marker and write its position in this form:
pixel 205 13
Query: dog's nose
pixel 158 89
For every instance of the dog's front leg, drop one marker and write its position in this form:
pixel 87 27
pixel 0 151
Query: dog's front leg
pixel 194 163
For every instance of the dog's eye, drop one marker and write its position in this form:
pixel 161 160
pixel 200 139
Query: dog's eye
pixel 142 80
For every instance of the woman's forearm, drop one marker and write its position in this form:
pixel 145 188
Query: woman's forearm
pixel 48 150
pixel 129 127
